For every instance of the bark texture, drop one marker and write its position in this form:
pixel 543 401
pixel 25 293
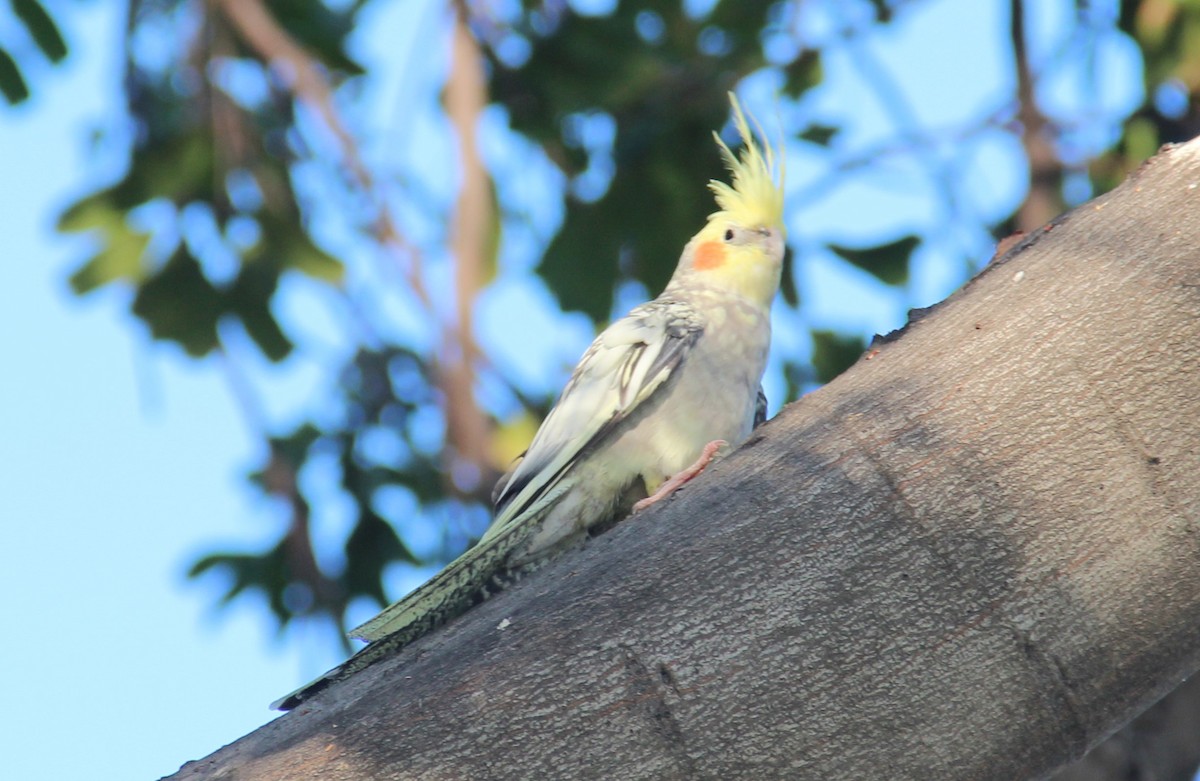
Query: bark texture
pixel 974 555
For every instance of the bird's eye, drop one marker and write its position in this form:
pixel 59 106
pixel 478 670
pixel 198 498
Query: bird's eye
pixel 729 235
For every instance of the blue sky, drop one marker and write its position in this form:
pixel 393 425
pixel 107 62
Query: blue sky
pixel 124 460
pixel 121 460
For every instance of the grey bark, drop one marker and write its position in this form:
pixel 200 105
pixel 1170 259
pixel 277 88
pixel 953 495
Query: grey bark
pixel 974 555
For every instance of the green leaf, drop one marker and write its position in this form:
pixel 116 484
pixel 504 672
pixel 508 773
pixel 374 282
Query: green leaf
pixel 249 299
pixel 883 11
pixel 181 305
pixel 819 134
pixel 311 260
pixel 41 28
pixel 1141 139
pixel 787 280
pixel 12 83
pixel 655 203
pixel 803 73
pixel 294 447
pixel 372 546
pixel 266 572
pixel 833 353
pixel 665 99
pixel 493 236
pixel 888 262
pixel 796 376
pixel 122 248
pixel 321 30
pixel 283 244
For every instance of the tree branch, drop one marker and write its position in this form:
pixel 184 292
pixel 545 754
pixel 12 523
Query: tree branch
pixel 468 430
pixel 974 555
pixel 1045 171
pixel 302 73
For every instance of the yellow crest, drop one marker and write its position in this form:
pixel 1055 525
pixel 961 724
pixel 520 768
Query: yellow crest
pixel 754 197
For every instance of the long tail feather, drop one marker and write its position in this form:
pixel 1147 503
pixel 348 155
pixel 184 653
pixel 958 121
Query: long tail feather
pixel 449 594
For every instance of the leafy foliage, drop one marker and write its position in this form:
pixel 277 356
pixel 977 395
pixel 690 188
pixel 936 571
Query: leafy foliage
pixel 659 76
pixel 889 262
pixel 213 217
pixel 45 35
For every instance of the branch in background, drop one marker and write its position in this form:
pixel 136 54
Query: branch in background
pixel 1044 200
pixel 468 429
pixel 890 94
pixel 259 29
pixel 279 479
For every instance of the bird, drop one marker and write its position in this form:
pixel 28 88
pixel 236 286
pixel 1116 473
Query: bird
pixel 658 394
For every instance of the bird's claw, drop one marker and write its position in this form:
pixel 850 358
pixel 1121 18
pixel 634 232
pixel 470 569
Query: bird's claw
pixel 672 485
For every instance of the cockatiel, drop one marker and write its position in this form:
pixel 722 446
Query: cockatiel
pixel 647 407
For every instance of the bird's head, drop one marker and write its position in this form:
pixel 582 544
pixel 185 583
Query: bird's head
pixel 741 247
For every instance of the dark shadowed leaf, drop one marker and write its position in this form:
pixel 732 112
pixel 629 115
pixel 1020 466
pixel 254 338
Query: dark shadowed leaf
pixel 833 353
pixel 819 134
pixel 796 375
pixel 41 28
pixel 320 29
pixel 883 10
pixel 665 98
pixel 291 448
pixel 372 546
pixel 181 305
pixel 803 73
pixel 12 83
pixel 787 279
pixel 889 262
pixel 265 572
pixel 250 299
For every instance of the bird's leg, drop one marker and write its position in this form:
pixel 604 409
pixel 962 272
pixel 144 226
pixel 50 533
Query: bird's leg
pixel 672 485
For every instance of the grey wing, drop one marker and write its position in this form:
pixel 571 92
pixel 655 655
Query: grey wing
pixel 760 408
pixel 626 365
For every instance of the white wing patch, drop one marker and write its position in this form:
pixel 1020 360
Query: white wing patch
pixel 625 365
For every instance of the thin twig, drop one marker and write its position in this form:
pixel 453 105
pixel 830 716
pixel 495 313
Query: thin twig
pixel 1044 200
pixel 259 29
pixel 279 480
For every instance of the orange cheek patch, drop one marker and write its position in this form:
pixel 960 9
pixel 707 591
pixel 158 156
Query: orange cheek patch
pixel 710 254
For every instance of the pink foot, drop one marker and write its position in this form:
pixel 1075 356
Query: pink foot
pixel 672 485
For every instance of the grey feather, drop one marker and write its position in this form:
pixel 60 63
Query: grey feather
pixel 629 364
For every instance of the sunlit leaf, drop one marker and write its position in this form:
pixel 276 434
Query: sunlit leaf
pixel 492 236
pixel 305 256
pixel 1141 139
pixel 122 249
